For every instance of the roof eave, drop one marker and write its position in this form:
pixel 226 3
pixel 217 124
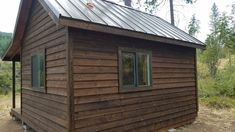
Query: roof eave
pixel 70 22
pixel 21 21
pixel 20 26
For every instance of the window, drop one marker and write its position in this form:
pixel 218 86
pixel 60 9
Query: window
pixel 38 71
pixel 135 68
pixel 128 69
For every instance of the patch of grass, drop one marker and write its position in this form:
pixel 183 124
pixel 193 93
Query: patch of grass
pixel 218 102
pixel 206 87
pixel 2 96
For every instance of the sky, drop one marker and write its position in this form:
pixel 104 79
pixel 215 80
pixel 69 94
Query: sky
pixel 202 9
pixel 8 14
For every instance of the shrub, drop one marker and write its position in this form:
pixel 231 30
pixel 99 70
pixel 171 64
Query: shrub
pixel 5 77
pixel 225 82
pixel 207 87
pixel 218 102
pixel 222 85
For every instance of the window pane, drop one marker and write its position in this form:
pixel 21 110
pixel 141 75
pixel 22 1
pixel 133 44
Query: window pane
pixel 143 69
pixel 128 68
pixel 38 73
pixel 34 71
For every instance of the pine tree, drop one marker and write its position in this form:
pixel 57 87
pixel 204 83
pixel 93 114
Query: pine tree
pixel 212 54
pixel 193 26
pixel 214 18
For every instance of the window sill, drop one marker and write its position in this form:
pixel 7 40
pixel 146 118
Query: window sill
pixel 40 90
pixel 134 89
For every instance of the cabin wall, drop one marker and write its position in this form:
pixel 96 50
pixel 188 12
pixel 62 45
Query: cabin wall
pixel 45 111
pixel 98 104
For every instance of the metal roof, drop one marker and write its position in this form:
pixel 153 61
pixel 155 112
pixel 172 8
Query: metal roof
pixel 105 17
pixel 114 15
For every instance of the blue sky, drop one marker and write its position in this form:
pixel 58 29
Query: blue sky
pixel 9 9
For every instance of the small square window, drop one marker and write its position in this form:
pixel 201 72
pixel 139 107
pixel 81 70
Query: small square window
pixel 38 71
pixel 135 69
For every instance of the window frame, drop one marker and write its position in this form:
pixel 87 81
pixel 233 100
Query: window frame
pixel 39 89
pixel 138 87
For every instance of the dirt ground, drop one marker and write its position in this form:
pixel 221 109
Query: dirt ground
pixel 212 120
pixel 6 123
pixel 209 120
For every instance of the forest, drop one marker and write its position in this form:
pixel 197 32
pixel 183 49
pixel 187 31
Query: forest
pixel 216 64
pixel 5 39
pixel 5 67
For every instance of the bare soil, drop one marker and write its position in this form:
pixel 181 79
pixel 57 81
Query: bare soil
pixel 6 122
pixel 212 120
pixel 208 120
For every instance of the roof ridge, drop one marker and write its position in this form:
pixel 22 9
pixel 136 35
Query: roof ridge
pixel 130 8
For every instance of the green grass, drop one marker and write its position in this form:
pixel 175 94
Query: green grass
pixel 218 102
pixel 2 95
pixel 5 96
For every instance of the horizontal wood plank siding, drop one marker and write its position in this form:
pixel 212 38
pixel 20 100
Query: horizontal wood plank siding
pixel 98 104
pixel 45 111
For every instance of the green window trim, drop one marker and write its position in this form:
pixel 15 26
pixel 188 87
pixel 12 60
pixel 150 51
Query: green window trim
pixel 38 81
pixel 141 70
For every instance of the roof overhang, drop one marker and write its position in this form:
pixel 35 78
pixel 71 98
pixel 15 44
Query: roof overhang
pixel 70 22
pixel 13 51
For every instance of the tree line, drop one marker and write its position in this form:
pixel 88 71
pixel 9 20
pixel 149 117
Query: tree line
pixel 5 39
pixel 216 64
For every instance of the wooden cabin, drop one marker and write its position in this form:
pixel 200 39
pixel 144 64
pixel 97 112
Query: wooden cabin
pixel 100 66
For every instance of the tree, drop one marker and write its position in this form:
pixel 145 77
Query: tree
pixel 5 67
pixel 5 77
pixel 223 29
pixel 221 40
pixel 153 4
pixel 172 13
pixel 226 35
pixel 233 8
pixel 193 26
pixel 212 54
pixel 5 39
pixel 230 46
pixel 214 18
pixel 233 18
pixel 128 2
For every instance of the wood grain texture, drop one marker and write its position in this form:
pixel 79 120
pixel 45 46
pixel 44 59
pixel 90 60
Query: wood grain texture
pixel 83 87
pixel 100 106
pixel 45 111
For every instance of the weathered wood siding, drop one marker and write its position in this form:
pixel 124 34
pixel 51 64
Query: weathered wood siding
pixel 45 111
pixel 98 104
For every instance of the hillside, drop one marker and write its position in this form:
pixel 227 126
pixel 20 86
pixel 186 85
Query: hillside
pixel 5 39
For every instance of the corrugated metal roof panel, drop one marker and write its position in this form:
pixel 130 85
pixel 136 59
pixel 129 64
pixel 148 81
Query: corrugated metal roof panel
pixel 114 15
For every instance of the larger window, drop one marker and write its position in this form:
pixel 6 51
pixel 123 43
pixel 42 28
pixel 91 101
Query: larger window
pixel 38 71
pixel 135 69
